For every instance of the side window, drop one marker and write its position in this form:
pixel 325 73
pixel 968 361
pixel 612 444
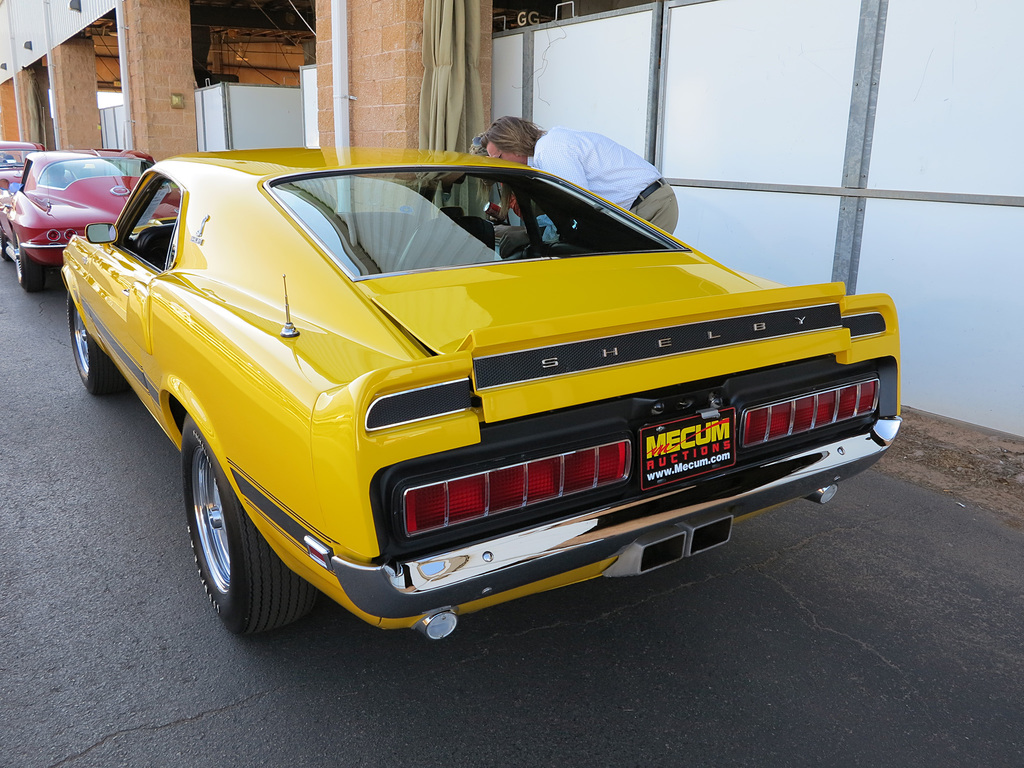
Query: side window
pixel 151 234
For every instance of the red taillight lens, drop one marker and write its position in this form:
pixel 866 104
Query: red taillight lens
pixel 866 402
pixel 508 488
pixel 426 508
pixel 755 426
pixel 847 403
pixel 579 471
pixel 801 414
pixel 826 408
pixel 778 425
pixel 467 498
pixel 612 463
pixel 543 479
pixel 435 506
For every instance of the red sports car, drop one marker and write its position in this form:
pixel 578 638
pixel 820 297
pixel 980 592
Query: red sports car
pixel 59 194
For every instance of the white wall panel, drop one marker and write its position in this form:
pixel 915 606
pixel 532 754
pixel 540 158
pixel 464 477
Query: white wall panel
pixel 310 126
pixel 759 91
pixel 595 76
pixel 955 272
pixel 264 116
pixel 950 113
pixel 27 22
pixel 783 237
pixel 211 119
pixel 507 77
pixel 5 45
pixel 112 127
pixel 240 116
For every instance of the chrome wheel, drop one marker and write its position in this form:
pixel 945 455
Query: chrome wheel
pixel 209 521
pixel 80 337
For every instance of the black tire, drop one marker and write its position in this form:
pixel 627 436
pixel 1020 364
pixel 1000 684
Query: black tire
pixel 3 243
pixel 99 374
pixel 252 590
pixel 31 276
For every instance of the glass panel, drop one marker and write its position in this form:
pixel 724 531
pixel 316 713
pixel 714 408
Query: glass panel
pixel 400 221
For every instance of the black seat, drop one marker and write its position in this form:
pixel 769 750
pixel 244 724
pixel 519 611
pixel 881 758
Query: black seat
pixel 152 244
pixel 479 228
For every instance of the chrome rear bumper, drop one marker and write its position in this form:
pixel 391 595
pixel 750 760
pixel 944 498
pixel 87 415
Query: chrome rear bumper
pixel 421 586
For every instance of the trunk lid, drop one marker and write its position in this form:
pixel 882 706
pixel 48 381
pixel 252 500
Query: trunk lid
pixel 546 335
pixel 443 307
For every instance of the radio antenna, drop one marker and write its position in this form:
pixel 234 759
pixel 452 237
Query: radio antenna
pixel 289 331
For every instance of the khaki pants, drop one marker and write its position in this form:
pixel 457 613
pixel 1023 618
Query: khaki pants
pixel 660 208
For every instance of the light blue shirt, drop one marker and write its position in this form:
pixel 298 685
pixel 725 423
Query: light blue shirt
pixel 594 162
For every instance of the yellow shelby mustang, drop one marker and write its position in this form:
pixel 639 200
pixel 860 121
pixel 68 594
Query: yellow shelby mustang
pixel 384 393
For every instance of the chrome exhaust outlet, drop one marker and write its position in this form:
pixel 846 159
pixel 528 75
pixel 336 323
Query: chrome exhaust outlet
pixel 652 550
pixel 437 626
pixel 824 495
pixel 664 546
pixel 710 535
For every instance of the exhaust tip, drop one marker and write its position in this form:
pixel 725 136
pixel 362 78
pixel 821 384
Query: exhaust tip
pixel 437 626
pixel 824 495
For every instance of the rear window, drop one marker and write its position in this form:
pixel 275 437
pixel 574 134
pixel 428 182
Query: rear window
pixel 63 174
pixel 407 220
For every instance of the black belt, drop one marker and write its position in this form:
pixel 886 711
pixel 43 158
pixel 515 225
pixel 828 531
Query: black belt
pixel 649 190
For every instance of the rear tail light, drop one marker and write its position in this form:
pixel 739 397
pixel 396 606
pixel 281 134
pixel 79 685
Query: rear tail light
pixel 442 504
pixel 802 414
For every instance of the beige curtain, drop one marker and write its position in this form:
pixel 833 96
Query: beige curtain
pixel 451 102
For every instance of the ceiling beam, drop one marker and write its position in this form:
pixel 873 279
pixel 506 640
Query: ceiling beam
pixel 249 18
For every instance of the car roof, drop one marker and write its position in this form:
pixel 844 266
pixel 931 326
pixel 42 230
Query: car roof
pixel 20 145
pixel 268 163
pixel 82 154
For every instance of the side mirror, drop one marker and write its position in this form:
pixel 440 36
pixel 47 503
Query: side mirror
pixel 99 234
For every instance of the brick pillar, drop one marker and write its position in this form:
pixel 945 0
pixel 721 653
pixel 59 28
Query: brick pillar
pixel 8 112
pixel 74 96
pixel 486 62
pixel 161 85
pixel 324 74
pixel 385 39
pixel 386 70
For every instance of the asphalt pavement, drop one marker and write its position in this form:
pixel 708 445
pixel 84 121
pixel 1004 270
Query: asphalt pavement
pixel 882 629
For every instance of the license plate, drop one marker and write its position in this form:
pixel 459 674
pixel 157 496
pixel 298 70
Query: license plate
pixel 679 450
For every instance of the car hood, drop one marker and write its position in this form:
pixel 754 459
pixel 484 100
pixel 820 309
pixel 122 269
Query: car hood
pixel 446 309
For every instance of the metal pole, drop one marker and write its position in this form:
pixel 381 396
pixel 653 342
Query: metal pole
pixel 15 69
pixel 867 69
pixel 339 69
pixel 51 102
pixel 122 58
